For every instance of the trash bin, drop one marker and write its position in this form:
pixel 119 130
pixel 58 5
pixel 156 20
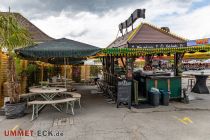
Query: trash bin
pixel 164 97
pixel 154 97
pixel 150 97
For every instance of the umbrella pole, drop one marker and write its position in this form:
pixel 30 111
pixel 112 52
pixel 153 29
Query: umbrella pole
pixel 65 70
pixel 42 72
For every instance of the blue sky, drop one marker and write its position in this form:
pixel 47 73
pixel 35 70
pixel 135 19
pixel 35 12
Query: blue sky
pixel 198 4
pixel 96 21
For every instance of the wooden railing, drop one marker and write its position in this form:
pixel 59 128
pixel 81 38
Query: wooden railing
pixel 110 79
pixel 136 91
pixel 109 86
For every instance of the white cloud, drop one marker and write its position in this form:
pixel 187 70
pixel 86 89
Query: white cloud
pixel 192 25
pixel 100 30
pixel 3 8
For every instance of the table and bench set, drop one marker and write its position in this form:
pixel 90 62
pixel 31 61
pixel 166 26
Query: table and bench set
pixel 49 94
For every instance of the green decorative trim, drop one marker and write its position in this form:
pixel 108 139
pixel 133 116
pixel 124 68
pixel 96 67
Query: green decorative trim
pixel 145 51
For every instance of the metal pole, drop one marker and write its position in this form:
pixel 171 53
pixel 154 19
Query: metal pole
pixel 176 64
pixel 65 70
pixel 42 72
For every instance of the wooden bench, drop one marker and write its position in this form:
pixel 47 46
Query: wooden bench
pixel 28 95
pixel 37 105
pixel 74 95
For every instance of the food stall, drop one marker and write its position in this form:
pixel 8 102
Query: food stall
pixel 147 41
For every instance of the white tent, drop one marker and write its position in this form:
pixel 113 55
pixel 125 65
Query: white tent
pixel 206 61
pixel 194 61
pixel 94 62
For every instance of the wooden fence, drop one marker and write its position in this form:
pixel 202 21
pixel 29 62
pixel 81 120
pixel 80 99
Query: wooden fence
pixel 85 75
pixel 85 72
pixel 3 76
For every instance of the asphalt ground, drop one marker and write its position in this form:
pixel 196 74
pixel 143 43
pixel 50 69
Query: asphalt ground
pixel 101 120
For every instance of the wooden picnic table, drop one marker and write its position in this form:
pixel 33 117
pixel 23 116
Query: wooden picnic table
pixel 47 93
pixel 56 83
pixel 47 90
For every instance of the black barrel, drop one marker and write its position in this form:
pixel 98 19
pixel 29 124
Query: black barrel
pixel 164 97
pixel 154 98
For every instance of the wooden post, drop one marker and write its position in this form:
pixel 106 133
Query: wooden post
pixel 175 64
pixel 169 85
pixel 156 83
pixel 112 64
pixel 85 72
pixel 148 60
pixel 129 68
pixel 107 64
pixel 121 58
pixel 177 60
pixel 1 83
pixel 65 70
pixel 42 72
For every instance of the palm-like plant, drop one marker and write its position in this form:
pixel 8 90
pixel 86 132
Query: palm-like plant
pixel 12 35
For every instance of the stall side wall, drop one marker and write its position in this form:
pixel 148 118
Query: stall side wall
pixel 174 84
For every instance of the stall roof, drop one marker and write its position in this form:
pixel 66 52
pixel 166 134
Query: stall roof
pixel 146 34
pixel 147 39
pixel 58 48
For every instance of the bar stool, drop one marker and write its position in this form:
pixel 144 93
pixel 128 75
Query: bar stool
pixel 190 83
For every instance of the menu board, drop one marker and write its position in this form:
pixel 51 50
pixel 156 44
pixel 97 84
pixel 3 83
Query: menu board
pixel 124 93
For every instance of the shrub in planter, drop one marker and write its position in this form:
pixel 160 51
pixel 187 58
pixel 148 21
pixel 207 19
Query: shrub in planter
pixel 15 110
pixel 31 72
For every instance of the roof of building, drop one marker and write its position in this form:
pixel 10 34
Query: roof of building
pixel 36 34
pixel 145 34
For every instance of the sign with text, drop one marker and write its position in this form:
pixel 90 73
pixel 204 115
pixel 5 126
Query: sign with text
pixel 124 93
pixel 157 45
pixel 204 41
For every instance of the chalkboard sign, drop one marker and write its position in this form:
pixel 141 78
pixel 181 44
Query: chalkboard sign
pixel 124 93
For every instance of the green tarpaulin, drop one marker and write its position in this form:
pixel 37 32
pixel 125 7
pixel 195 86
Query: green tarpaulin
pixel 58 48
pixel 65 61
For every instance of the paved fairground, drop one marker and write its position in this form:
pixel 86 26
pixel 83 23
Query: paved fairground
pixel 100 120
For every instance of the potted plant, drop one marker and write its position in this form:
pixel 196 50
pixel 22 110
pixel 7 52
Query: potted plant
pixel 12 35
pixel 50 71
pixel 31 72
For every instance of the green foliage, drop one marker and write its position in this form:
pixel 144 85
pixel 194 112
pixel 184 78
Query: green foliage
pixel 12 34
pixel 18 66
pixel 50 69
pixel 31 68
pixel 94 70
pixel 139 64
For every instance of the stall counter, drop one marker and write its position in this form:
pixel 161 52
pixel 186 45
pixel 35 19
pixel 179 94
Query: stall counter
pixel 168 83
